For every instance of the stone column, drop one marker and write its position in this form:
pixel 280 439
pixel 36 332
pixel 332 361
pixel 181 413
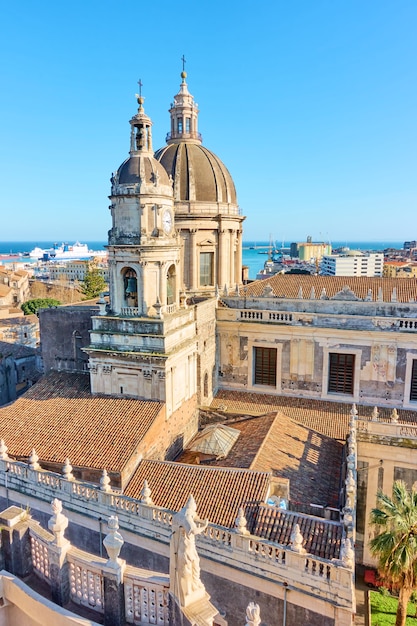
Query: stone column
pixel 114 604
pixel 222 277
pixel 232 280
pixel 15 541
pixel 193 259
pixel 57 551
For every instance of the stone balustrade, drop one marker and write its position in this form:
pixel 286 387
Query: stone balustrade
pixel 327 580
pixel 146 593
pixel 130 311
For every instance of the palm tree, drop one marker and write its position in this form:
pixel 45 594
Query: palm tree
pixel 395 545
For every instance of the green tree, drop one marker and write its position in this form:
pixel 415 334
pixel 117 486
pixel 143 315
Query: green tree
pixel 93 283
pixel 33 306
pixel 395 545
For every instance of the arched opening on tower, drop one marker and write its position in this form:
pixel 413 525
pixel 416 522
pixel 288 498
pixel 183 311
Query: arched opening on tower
pixel 206 389
pixel 171 278
pixel 130 284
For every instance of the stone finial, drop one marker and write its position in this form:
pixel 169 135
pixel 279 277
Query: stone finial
pixel 105 481
pixel 3 451
pixel 369 296
pixel 300 293
pixel 217 291
pixel 102 304
pixel 297 540
pixel 253 615
pixel 241 523
pixel 33 460
pixel 237 289
pixel 354 410
pixel 350 482
pixel 145 494
pixel 375 414
pixel 225 291
pixel 67 470
pixel 312 294
pixel 58 523
pixel 323 295
pixel 347 554
pixel 380 296
pixel 394 295
pixel 267 291
pixel 394 416
pixel 113 542
pixel 158 307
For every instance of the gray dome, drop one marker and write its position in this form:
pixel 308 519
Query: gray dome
pixel 198 174
pixel 129 171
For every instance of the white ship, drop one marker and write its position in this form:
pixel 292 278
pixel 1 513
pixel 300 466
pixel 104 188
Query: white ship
pixel 62 252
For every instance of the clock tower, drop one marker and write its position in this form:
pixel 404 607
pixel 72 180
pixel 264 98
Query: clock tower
pixel 144 345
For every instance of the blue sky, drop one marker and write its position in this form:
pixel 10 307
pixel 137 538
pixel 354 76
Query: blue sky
pixel 311 104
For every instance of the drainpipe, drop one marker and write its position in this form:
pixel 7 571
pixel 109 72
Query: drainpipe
pixel 284 617
pixel 6 486
pixel 100 530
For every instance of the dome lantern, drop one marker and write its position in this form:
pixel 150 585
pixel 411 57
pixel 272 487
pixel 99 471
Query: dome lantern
pixel 141 128
pixel 184 115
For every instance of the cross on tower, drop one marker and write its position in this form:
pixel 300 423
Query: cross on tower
pixel 140 87
pixel 183 63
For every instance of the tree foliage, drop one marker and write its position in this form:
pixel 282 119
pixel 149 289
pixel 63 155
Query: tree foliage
pixel 93 284
pixel 33 306
pixel 395 544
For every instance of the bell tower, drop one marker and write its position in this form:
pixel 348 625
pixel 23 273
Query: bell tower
pixel 143 345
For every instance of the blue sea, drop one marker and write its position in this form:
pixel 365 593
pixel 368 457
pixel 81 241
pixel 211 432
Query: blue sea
pixel 253 251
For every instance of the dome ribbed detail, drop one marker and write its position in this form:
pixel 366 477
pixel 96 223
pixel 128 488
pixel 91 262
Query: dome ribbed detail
pixel 130 171
pixel 198 174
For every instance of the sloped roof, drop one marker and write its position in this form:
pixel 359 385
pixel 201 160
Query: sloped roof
pixel 17 350
pixel 60 418
pixel 219 492
pixel 320 537
pixel 275 443
pixel 288 286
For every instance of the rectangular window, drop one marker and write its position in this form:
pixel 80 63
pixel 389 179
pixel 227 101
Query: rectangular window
pixel 206 269
pixel 179 124
pixel 341 371
pixel 265 370
pixel 413 386
pixel 187 125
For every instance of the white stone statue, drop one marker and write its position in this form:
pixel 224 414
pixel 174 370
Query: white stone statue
pixel 253 616
pixel 297 540
pixel 185 570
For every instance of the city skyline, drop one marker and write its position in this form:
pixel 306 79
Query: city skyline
pixel 312 110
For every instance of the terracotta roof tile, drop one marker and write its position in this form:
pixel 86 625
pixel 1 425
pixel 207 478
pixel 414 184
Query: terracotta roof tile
pixel 60 418
pixel 275 443
pixel 321 537
pixel 288 286
pixel 218 491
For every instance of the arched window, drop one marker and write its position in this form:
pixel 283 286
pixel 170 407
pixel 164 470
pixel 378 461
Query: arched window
pixel 171 285
pixel 205 385
pixel 130 283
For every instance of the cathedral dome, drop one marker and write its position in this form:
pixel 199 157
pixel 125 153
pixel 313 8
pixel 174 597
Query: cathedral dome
pixel 142 168
pixel 198 174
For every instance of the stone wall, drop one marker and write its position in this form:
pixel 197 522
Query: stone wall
pixel 64 332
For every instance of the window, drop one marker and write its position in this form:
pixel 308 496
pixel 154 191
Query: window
pixel 341 369
pixel 265 368
pixel 413 386
pixel 206 269
pixel 187 124
pixel 179 124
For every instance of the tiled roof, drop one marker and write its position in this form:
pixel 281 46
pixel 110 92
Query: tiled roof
pixel 19 321
pixel 276 443
pixel 288 286
pixel 328 418
pixel 218 492
pixel 17 350
pixel 60 418
pixel 321 537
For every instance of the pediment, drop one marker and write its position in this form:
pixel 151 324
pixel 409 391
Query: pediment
pixel 206 242
pixel 345 294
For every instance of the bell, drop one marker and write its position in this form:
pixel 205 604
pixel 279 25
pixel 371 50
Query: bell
pixel 131 285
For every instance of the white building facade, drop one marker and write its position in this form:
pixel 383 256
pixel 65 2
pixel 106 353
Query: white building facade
pixel 353 263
